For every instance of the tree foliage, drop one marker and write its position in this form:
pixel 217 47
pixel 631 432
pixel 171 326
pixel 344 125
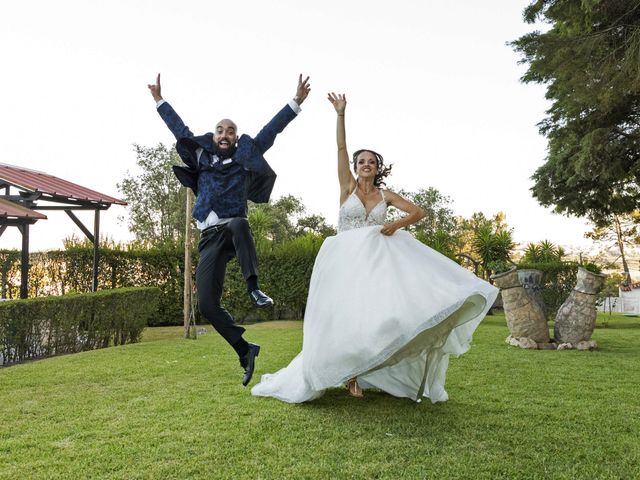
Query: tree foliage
pixel 485 242
pixel 283 219
pixel 315 224
pixel 156 200
pixel 590 61
pixel 438 228
pixel 276 218
pixel 611 285
pixel 619 230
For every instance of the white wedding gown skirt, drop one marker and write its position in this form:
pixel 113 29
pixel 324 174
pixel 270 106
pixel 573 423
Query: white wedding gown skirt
pixel 386 309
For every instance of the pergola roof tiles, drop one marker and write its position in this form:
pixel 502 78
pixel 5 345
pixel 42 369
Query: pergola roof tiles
pixel 35 181
pixel 13 210
pixel 36 187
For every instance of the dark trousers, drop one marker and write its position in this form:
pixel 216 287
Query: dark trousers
pixel 218 245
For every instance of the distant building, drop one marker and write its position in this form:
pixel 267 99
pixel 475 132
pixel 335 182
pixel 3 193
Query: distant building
pixel 630 298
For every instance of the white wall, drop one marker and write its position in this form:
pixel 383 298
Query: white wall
pixel 630 301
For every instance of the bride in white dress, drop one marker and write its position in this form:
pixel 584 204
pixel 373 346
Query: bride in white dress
pixel 384 310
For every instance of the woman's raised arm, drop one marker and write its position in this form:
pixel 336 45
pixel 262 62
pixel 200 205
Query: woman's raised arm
pixel 345 177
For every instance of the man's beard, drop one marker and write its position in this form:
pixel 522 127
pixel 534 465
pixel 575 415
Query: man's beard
pixel 225 153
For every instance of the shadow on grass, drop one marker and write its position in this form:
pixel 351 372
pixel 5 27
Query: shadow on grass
pixel 377 404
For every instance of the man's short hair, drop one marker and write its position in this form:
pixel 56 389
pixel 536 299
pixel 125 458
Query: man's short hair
pixel 227 120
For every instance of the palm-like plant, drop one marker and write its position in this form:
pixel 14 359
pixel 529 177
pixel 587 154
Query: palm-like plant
pixel 493 247
pixel 261 224
pixel 543 252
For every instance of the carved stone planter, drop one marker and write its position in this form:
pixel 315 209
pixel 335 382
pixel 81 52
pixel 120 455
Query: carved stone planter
pixel 576 318
pixel 531 281
pixel 525 317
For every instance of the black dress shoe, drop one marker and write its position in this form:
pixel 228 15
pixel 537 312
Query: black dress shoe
pixel 248 362
pixel 259 299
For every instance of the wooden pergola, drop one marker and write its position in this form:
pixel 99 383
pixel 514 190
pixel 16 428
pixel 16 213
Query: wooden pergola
pixel 33 190
pixel 13 215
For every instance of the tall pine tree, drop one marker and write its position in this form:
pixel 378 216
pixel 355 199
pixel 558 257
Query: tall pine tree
pixel 590 61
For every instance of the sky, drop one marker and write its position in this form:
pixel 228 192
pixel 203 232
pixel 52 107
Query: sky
pixel 431 85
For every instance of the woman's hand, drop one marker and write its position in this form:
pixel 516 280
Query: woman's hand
pixel 339 102
pixel 414 212
pixel 389 229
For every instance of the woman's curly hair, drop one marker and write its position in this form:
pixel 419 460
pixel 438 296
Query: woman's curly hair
pixel 383 171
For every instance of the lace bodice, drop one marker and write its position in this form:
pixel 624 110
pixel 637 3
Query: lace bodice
pixel 353 214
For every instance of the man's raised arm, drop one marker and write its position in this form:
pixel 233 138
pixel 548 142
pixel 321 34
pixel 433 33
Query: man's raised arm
pixel 264 140
pixel 167 113
pixel 156 90
pixel 304 87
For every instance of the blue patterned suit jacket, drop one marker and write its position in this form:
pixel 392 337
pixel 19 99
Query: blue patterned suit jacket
pixel 249 152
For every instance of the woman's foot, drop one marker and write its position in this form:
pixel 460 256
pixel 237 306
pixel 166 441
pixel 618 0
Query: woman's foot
pixel 353 388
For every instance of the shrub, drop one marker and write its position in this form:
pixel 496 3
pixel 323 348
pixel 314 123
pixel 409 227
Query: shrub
pixel 285 272
pixel 58 272
pixel 46 326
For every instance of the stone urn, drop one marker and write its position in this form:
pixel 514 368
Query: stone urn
pixel 525 317
pixel 576 318
pixel 531 281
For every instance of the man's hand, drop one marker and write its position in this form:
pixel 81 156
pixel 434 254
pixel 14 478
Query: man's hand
pixel 156 90
pixel 339 102
pixel 301 93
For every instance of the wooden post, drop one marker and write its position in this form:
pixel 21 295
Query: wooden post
pixel 187 268
pixel 24 266
pixel 96 251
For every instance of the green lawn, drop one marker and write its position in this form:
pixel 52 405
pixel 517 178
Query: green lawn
pixel 174 408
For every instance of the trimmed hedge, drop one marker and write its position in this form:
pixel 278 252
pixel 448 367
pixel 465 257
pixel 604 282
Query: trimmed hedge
pixel 285 272
pixel 46 326
pixel 58 272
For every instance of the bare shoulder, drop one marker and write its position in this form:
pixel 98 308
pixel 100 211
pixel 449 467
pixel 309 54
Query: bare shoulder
pixel 389 196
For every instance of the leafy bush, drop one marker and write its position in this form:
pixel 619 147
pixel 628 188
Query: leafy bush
pixel 58 272
pixel 46 326
pixel 285 272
